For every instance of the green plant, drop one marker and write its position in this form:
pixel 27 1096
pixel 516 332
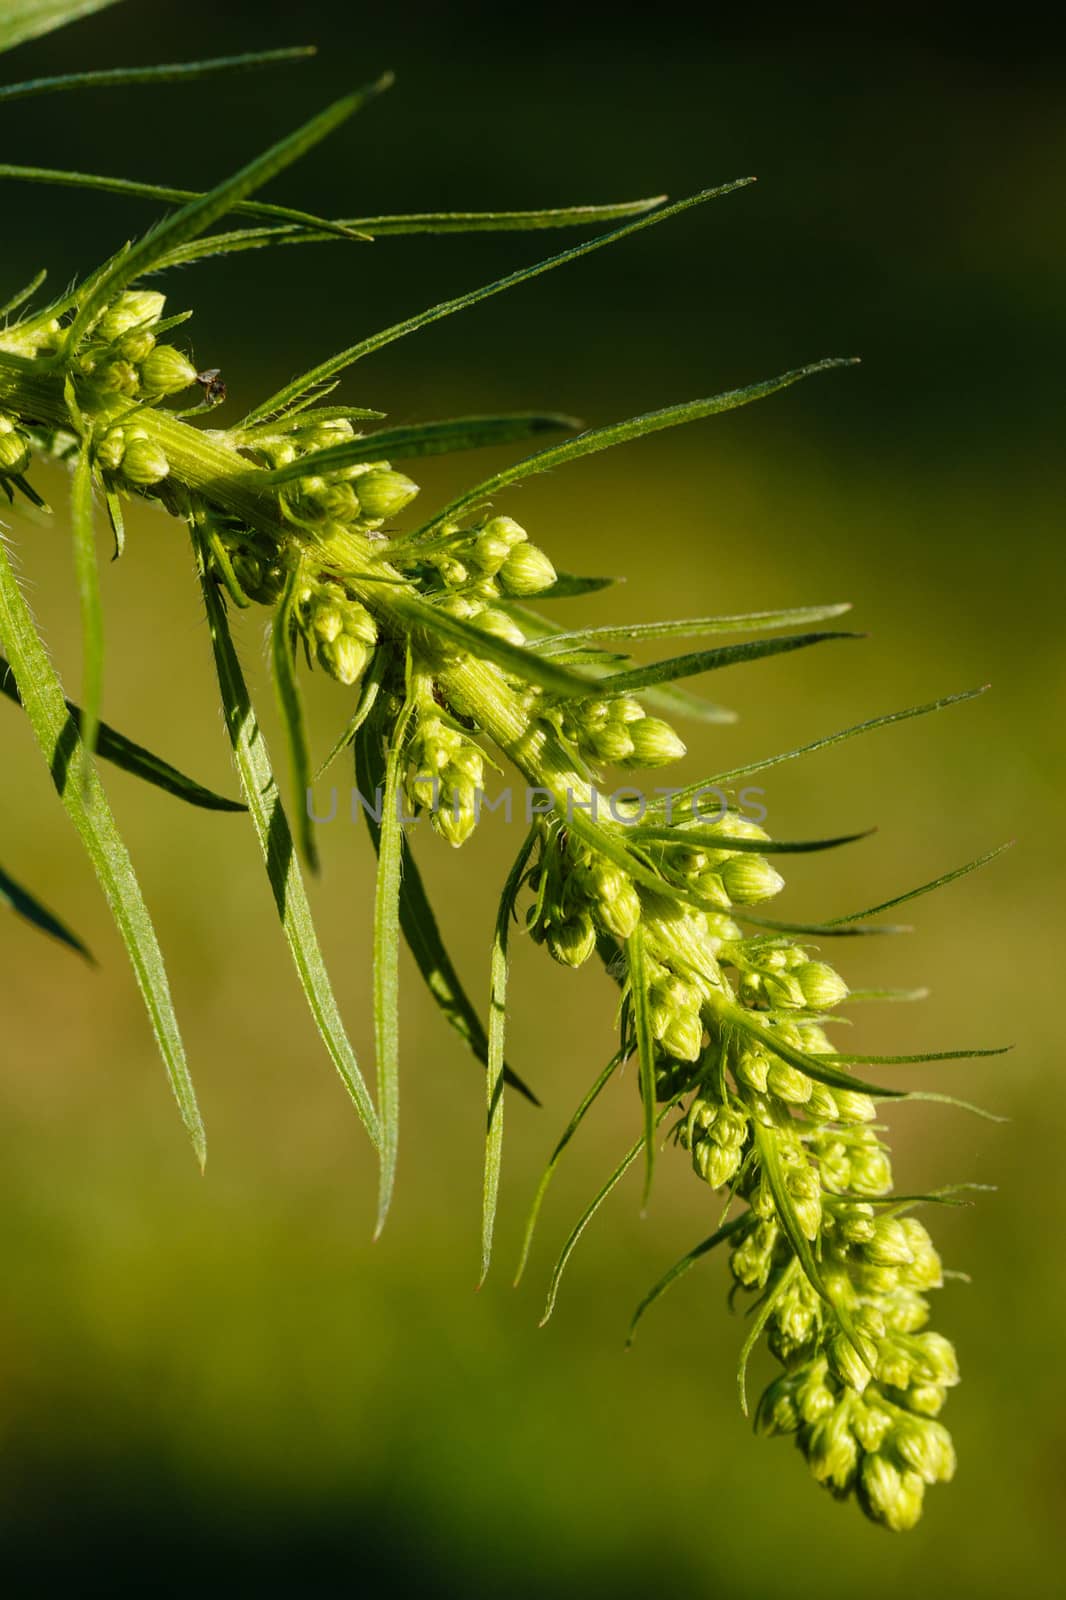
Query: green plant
pixel 435 634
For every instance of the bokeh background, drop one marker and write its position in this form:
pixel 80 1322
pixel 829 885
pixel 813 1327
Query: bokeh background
pixel 220 1381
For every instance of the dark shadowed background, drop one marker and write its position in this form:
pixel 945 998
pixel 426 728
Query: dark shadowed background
pixel 219 1382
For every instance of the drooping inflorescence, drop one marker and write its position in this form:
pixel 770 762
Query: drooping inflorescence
pixel 450 664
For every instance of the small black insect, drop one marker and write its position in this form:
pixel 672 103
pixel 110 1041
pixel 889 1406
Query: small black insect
pixel 213 386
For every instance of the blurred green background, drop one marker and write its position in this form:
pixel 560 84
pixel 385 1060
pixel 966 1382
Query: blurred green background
pixel 220 1381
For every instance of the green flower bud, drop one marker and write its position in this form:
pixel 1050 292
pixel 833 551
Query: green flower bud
pixel 455 818
pixel 853 1106
pixel 495 542
pixel 683 1035
pixel 573 941
pixel 750 879
pixel 822 1106
pixel 750 1262
pixel 14 449
pixel 326 623
pixel 143 462
pixel 814 1397
pixel 890 1496
pixel 344 658
pixel 611 741
pixel 925 1270
pixel 848 1365
pixel 166 371
pixel 717 1164
pixel 527 570
pixel 888 1247
pixel 832 1452
pixel 822 987
pixel 133 307
pixel 936 1359
pixel 925 1447
pixel 752 1069
pixel 655 744
pixel 788 1083
pixel 871 1172
pixel 925 1398
pixel 384 493
pixel 777 1411
pixel 871 1423
pixel 117 377
pixel 499 625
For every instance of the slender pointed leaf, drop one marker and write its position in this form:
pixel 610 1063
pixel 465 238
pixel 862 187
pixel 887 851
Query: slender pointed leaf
pixel 368 694
pixel 290 706
pixel 29 19
pixel 346 358
pixel 923 888
pixel 816 1066
pixel 899 995
pixel 762 1316
pixel 175 72
pixel 700 661
pixel 515 659
pixel 568 586
pixel 420 928
pixel 590 1211
pixel 86 804
pixel 92 622
pixel 568 1133
pixel 275 840
pixel 24 294
pixel 695 627
pixel 134 758
pixel 907 1061
pixel 710 839
pixel 645 1040
pixel 198 215
pixel 387 962
pixel 682 1266
pixel 30 909
pixel 424 439
pixel 494 1066
pixel 595 439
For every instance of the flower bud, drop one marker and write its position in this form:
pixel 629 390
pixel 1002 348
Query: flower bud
pixel 788 1083
pixel 344 658
pixel 750 879
pixel 14 449
pixel 384 493
pixel 117 377
pixel 611 741
pixel 143 461
pixel 499 625
pixel 527 570
pixel 853 1106
pixel 936 1358
pixel 822 1106
pixel 847 1363
pixel 655 744
pixel 925 1270
pixel 890 1496
pixel 573 941
pixel 166 371
pixel 888 1247
pixel 683 1035
pixel 822 986
pixel 832 1452
pixel 716 1164
pixel 925 1447
pixel 133 307
pixel 871 1173
pixel 777 1411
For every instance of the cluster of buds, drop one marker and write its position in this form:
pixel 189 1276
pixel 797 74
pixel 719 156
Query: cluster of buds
pixel 360 497
pixel 724 877
pixel 127 456
pixel 444 776
pixel 341 632
pixel 580 894
pixel 122 361
pixel 718 1138
pixel 619 732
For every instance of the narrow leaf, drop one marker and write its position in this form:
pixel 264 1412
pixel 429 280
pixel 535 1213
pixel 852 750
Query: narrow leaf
pixel 699 661
pixel 494 1067
pixel 758 1326
pixel 546 1177
pixel 568 586
pixel 134 758
pixel 679 1268
pixel 24 294
pixel 346 358
pixel 645 1041
pixel 290 706
pixel 595 439
pixel 275 840
pixel 899 995
pixel 907 1061
pixel 817 1066
pixel 514 659
pixel 30 909
pixel 29 19
pixel 837 738
pixel 86 804
pixel 711 839
pixel 590 1211
pixel 182 253
pixel 504 221
pixel 92 622
pixel 387 962
pixel 177 72
pixel 923 888
pixel 695 627
pixel 421 930
pixel 424 439
pixel 198 215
